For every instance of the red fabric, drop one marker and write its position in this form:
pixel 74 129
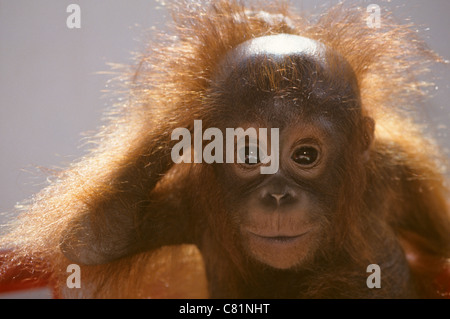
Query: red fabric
pixel 442 283
pixel 24 276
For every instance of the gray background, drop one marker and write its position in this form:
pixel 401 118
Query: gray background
pixel 51 92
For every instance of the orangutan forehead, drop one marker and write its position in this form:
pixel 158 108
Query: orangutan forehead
pixel 289 67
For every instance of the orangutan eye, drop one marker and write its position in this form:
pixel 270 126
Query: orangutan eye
pixel 305 155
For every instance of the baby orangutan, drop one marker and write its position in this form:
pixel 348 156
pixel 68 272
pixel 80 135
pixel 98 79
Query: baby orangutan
pixel 352 179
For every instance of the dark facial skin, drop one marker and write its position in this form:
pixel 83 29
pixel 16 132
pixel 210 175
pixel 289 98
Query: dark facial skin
pixel 282 219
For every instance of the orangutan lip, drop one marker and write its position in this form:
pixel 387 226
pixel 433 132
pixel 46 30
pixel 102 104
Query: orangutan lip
pixel 280 239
